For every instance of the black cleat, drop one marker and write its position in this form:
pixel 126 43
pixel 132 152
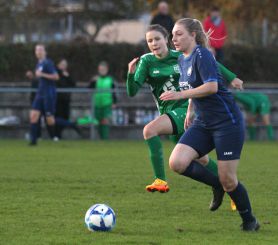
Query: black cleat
pixel 32 144
pixel 250 226
pixel 217 199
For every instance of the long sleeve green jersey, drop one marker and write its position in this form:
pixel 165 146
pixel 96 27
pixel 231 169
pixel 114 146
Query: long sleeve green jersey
pixel 163 75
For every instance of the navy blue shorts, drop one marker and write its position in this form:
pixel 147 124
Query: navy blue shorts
pixel 45 105
pixel 227 142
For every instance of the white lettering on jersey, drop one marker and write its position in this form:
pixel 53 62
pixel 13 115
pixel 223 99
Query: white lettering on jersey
pixel 185 85
pixel 228 153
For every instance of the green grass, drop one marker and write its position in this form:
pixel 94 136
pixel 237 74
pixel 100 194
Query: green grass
pixel 46 190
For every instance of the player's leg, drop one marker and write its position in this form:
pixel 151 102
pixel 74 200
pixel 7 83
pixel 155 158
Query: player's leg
pixel 177 117
pixel 49 103
pixel 228 145
pixel 103 115
pixel 238 193
pixel 194 143
pixel 37 107
pixel 264 111
pixel 160 126
pixel 251 125
pixel 34 122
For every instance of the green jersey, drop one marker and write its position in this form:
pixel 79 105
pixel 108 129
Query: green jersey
pixel 161 75
pixel 103 96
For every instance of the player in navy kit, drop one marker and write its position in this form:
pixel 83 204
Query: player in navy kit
pixel 218 123
pixel 45 100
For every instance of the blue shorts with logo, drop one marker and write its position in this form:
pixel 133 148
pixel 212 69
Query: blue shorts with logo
pixel 45 104
pixel 227 142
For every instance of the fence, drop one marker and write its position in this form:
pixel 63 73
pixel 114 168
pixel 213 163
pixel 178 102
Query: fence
pixel 128 117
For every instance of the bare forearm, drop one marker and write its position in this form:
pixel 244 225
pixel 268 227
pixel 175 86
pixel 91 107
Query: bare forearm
pixel 202 91
pixel 50 76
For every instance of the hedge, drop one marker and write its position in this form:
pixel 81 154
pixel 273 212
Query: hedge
pixel 251 64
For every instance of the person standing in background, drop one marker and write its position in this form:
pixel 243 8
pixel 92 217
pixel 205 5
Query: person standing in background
pixel 63 99
pixel 104 98
pixel 163 17
pixel 218 33
pixel 45 99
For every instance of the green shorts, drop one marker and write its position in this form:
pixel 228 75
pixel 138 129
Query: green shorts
pixel 177 117
pixel 104 112
pixel 255 103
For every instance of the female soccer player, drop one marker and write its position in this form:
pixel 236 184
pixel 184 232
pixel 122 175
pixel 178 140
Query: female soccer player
pixel 160 70
pixel 218 123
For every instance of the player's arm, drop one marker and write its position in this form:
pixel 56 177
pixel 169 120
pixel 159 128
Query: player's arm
pixel 54 76
pixel 49 72
pixel 208 71
pixel 136 76
pixel 230 77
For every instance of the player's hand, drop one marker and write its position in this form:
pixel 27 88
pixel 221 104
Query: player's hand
pixel 237 83
pixel 38 73
pixel 171 95
pixel 132 65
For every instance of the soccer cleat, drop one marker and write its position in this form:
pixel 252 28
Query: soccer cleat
pixel 217 199
pixel 32 144
pixel 250 226
pixel 233 205
pixel 158 185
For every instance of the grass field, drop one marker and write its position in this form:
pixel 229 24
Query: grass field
pixel 46 190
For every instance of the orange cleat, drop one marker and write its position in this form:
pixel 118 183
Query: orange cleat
pixel 158 185
pixel 233 205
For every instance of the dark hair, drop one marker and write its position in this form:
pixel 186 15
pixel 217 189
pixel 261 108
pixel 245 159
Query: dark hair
pixel 159 28
pixel 163 31
pixel 103 63
pixel 194 25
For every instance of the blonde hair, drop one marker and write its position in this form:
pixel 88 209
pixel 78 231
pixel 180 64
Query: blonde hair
pixel 194 25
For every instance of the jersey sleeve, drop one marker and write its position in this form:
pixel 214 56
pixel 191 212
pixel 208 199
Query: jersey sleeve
pixel 226 73
pixel 135 81
pixel 207 66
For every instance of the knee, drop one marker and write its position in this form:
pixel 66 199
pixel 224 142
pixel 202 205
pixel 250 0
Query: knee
pixel 149 131
pixel 178 165
pixel 50 121
pixel 34 117
pixel 229 182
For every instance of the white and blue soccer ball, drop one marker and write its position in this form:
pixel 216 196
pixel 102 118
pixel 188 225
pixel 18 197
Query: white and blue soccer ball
pixel 100 217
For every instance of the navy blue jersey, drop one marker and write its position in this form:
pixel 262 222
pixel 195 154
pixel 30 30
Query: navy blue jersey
pixel 46 86
pixel 213 111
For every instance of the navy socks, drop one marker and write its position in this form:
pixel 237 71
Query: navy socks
pixel 199 173
pixel 240 196
pixel 34 132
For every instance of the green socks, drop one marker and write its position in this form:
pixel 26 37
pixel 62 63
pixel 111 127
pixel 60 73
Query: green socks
pixel 212 166
pixel 251 132
pixel 270 133
pixel 156 155
pixel 103 131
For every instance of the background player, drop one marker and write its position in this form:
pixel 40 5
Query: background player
pixel 256 104
pixel 218 124
pixel 45 100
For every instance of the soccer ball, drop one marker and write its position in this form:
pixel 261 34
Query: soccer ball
pixel 100 217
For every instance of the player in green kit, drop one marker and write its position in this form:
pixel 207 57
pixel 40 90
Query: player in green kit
pixel 160 70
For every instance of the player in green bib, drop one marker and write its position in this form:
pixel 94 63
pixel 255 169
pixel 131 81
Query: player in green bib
pixel 160 70
pixel 104 98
